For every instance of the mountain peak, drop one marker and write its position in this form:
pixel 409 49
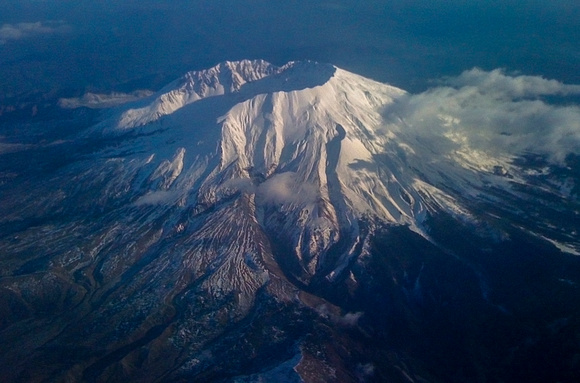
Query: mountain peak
pixel 253 76
pixel 224 78
pixel 304 139
pixel 231 75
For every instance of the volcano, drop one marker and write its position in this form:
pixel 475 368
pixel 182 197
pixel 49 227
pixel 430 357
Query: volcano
pixel 251 223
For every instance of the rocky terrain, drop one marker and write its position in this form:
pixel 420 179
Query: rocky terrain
pixel 255 223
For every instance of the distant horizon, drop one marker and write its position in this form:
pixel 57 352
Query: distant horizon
pixel 64 46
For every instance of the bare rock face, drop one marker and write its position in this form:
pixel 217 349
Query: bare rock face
pixel 259 223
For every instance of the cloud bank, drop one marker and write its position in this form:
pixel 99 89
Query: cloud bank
pixel 11 32
pixel 495 113
pixel 498 83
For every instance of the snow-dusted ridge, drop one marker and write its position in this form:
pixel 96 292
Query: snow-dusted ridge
pixel 305 144
pixel 308 155
pixel 224 78
pixel 308 141
pixel 248 208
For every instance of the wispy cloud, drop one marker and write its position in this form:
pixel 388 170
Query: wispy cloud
pixel 279 189
pixel 10 148
pixel 100 101
pixel 157 198
pixel 11 32
pixel 494 112
pixel 285 188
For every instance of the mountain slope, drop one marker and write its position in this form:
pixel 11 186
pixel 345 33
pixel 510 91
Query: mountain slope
pixel 253 222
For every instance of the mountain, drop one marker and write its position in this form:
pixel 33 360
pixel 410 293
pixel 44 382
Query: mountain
pixel 258 223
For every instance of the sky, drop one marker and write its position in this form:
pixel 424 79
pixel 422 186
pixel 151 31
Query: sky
pixel 64 48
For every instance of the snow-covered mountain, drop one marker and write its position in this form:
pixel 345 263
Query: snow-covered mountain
pixel 212 217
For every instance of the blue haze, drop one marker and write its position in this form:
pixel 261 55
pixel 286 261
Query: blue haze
pixel 106 45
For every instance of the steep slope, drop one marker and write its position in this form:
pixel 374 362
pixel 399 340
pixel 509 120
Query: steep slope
pixel 301 142
pixel 253 222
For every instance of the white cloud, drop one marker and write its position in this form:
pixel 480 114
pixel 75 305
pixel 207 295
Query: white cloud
pixel 99 101
pixel 350 319
pixel 157 198
pixel 499 84
pixel 495 113
pixel 10 148
pixel 279 189
pixel 286 188
pixel 10 32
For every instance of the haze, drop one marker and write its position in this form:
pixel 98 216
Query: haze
pixel 70 47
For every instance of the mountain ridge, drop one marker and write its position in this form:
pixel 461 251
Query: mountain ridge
pixel 252 220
